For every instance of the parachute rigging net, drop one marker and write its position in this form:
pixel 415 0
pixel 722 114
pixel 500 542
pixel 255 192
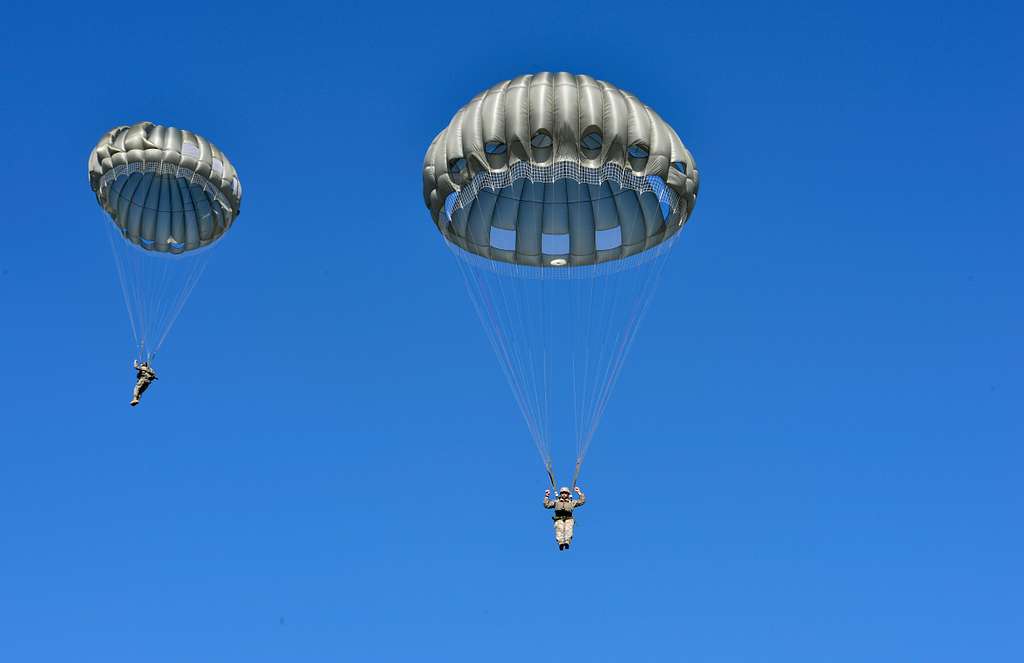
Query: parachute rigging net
pixel 177 172
pixel 564 170
pixel 562 333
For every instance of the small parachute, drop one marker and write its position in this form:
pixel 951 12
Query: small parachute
pixel 170 195
pixel 560 197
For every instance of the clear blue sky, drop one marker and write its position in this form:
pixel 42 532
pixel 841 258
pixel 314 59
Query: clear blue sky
pixel 332 468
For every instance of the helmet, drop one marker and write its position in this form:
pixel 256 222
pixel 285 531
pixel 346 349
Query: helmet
pixel 563 489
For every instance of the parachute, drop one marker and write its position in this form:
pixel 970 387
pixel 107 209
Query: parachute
pixel 170 195
pixel 560 197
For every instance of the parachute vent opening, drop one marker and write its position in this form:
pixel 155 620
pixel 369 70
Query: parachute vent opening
pixel 503 239
pixel 542 146
pixel 449 204
pixel 555 244
pixel 591 144
pixel 457 169
pixel 609 239
pixel 592 141
pixel 497 154
pixel 541 140
pixel 638 155
pixel 559 262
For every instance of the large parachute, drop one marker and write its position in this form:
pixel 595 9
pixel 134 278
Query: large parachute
pixel 170 195
pixel 560 196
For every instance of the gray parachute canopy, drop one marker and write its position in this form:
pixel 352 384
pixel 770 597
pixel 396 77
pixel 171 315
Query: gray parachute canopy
pixel 553 169
pixel 167 189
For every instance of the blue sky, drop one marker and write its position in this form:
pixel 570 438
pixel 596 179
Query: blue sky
pixel 332 468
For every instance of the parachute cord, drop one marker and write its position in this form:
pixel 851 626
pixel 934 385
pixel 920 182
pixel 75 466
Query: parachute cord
pixel 139 289
pixel 522 344
pixel 508 356
pixel 523 314
pixel 198 268
pixel 650 285
pixel 119 265
pixel 608 287
pixel 155 288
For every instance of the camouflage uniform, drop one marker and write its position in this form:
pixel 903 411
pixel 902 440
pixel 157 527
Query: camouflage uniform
pixel 564 521
pixel 144 375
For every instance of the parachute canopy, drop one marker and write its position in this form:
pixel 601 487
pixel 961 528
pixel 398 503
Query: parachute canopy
pixel 558 170
pixel 171 195
pixel 560 196
pixel 167 189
